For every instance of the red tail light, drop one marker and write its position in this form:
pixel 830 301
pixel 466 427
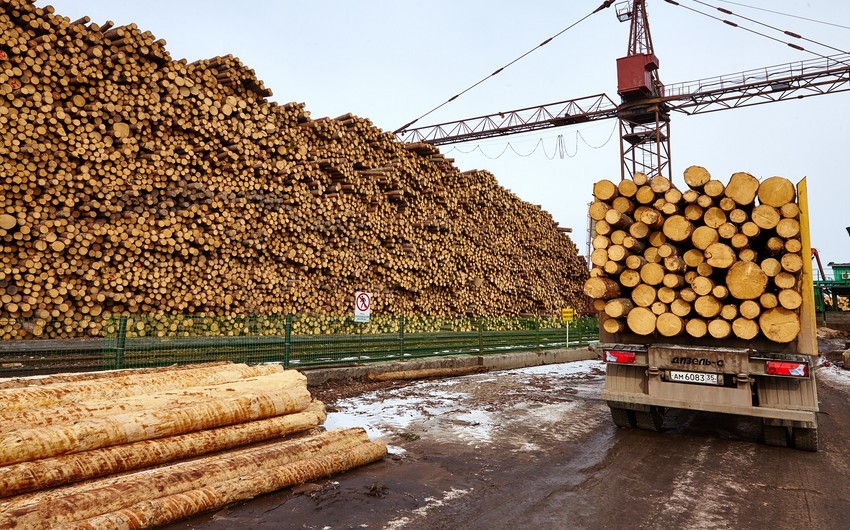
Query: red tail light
pixel 786 368
pixel 614 356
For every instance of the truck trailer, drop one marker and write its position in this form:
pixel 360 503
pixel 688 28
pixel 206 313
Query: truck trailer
pixel 648 374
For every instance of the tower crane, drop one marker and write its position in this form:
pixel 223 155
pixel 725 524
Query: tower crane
pixel 646 103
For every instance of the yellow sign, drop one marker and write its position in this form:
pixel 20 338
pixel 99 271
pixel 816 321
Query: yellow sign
pixel 567 314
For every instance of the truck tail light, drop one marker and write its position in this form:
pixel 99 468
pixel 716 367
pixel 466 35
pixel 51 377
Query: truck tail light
pixel 787 368
pixel 615 356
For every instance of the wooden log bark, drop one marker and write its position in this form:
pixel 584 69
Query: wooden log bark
pixel 704 236
pixel 779 324
pixel 65 469
pixel 618 307
pixel 680 307
pixel 627 188
pixel 678 228
pixel 114 493
pixel 652 274
pixel 768 301
pixel 729 312
pixel 644 295
pixel 720 256
pixel 790 299
pixel 776 192
pixel 129 384
pixel 788 228
pixel 598 209
pixel 94 433
pixel 641 321
pixel 75 412
pixel 750 309
pixel 605 190
pixel 629 278
pixel 719 328
pixel 613 325
pixel 714 189
pixel 745 328
pixel 696 327
pixel 746 280
pixel 670 324
pixel 696 177
pixel 666 294
pixel 707 306
pixel 742 188
pixel 601 288
pixel 765 216
pixel 164 510
pixel 702 285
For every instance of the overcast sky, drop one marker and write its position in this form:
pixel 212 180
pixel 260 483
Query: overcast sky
pixel 393 60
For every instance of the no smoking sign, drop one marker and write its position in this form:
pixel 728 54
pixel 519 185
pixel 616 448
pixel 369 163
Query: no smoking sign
pixel 362 306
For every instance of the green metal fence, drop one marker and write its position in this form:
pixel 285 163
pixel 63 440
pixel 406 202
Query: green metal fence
pixel 292 340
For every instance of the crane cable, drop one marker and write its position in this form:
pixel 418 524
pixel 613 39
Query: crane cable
pixel 735 25
pixel 786 14
pixel 604 5
pixel 774 28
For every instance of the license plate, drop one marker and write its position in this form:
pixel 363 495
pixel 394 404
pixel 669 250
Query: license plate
pixel 696 377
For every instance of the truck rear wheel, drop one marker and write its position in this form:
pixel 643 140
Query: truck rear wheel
pixel 623 417
pixel 805 439
pixel 652 420
pixel 776 435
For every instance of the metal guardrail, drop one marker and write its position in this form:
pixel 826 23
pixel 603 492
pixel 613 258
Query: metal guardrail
pixel 294 341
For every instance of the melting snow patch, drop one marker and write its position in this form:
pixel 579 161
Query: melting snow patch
pixel 444 409
pixel 431 502
pixel 834 375
pixel 563 369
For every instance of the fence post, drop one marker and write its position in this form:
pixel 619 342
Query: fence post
pixel 287 340
pixel 480 337
pixel 401 336
pixel 121 342
pixel 537 331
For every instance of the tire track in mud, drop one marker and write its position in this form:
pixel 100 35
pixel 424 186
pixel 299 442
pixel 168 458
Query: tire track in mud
pixel 703 496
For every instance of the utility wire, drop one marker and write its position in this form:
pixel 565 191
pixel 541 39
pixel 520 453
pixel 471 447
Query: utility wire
pixel 604 5
pixel 785 14
pixel 750 30
pixel 786 32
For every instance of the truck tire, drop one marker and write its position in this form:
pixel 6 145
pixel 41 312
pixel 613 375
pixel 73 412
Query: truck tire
pixel 652 420
pixel 805 439
pixel 776 435
pixel 623 417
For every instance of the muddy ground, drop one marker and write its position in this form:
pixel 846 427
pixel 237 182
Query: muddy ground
pixel 536 448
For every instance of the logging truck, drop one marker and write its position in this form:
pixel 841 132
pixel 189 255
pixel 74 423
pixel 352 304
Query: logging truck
pixel 746 350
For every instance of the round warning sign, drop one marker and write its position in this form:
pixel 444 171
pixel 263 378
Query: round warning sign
pixel 362 306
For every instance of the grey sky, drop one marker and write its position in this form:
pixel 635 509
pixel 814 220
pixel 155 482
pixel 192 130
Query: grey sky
pixel 392 60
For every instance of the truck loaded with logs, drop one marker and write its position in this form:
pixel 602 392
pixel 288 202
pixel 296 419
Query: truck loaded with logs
pixel 705 301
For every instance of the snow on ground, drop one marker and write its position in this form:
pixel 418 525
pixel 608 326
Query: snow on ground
pixel 834 374
pixel 475 409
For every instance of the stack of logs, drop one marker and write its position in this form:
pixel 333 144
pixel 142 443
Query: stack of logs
pixel 143 448
pixel 713 261
pixel 139 184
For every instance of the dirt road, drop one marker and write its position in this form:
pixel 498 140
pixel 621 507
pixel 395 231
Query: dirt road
pixel 535 448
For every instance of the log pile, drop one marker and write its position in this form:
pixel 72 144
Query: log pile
pixel 716 260
pixel 140 184
pixel 146 448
